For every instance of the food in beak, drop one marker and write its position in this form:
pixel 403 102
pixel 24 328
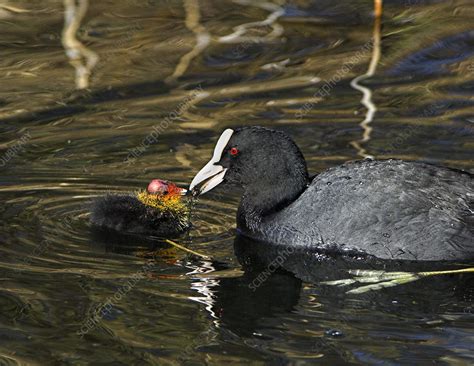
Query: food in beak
pixel 212 174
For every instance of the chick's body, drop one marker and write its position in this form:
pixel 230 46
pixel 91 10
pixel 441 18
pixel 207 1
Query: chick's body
pixel 163 214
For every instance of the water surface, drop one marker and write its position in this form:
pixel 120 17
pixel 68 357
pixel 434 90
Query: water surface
pixel 166 77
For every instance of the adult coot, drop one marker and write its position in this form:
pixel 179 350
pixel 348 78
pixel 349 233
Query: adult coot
pixel 388 209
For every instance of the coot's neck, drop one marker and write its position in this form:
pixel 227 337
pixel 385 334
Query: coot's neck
pixel 266 197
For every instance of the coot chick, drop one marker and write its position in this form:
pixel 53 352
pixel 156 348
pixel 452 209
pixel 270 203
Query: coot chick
pixel 388 209
pixel 159 211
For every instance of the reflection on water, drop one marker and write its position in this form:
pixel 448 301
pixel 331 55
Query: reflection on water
pixel 153 84
pixel 355 83
pixel 75 50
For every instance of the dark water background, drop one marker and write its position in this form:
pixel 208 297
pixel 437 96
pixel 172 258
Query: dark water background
pixel 60 147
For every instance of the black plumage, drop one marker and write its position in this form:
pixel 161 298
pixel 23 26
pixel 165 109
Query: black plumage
pixel 126 213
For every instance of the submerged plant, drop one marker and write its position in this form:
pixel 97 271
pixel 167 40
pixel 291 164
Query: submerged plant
pixel 378 280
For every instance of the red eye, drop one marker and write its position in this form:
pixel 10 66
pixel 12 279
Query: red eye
pixel 234 151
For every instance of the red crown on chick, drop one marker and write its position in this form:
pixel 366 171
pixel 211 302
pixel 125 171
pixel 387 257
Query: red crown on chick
pixel 163 187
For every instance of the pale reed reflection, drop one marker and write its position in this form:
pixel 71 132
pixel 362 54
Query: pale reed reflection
pixel 80 57
pixel 204 37
pixel 270 21
pixel 296 82
pixel 8 11
pixel 367 93
pixel 188 120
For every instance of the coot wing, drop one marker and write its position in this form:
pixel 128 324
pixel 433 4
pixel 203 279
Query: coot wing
pixel 389 209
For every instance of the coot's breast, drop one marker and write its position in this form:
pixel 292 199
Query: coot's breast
pixel 388 209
